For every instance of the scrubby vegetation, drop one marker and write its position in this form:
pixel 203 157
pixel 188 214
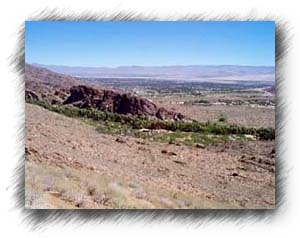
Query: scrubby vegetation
pixel 222 118
pixel 129 124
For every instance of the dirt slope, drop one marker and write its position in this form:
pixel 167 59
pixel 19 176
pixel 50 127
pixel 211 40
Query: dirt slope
pixel 69 164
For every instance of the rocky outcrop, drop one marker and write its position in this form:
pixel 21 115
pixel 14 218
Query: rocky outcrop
pixel 108 100
pixel 29 95
pixel 164 114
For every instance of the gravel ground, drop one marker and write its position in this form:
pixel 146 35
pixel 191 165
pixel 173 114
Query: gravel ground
pixel 71 165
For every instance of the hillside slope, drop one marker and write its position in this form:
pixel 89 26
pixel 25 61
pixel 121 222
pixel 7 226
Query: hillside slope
pixel 71 165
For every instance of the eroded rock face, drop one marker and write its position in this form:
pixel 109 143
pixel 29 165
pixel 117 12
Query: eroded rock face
pixel 82 96
pixel 109 100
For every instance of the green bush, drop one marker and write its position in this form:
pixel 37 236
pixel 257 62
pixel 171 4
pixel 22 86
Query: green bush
pixel 136 122
pixel 222 118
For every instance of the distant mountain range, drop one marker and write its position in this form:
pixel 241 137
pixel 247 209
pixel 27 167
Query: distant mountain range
pixel 189 72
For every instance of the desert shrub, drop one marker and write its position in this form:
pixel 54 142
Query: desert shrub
pixel 91 190
pixel 222 118
pixel 136 122
pixel 266 133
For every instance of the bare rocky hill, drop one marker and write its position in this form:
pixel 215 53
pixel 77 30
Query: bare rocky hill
pixel 45 85
pixel 47 77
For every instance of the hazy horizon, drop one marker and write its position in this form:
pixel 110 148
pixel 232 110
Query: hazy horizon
pixel 187 72
pixel 171 65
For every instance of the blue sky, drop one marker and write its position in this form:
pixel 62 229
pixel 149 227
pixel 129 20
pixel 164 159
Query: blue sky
pixel 150 43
